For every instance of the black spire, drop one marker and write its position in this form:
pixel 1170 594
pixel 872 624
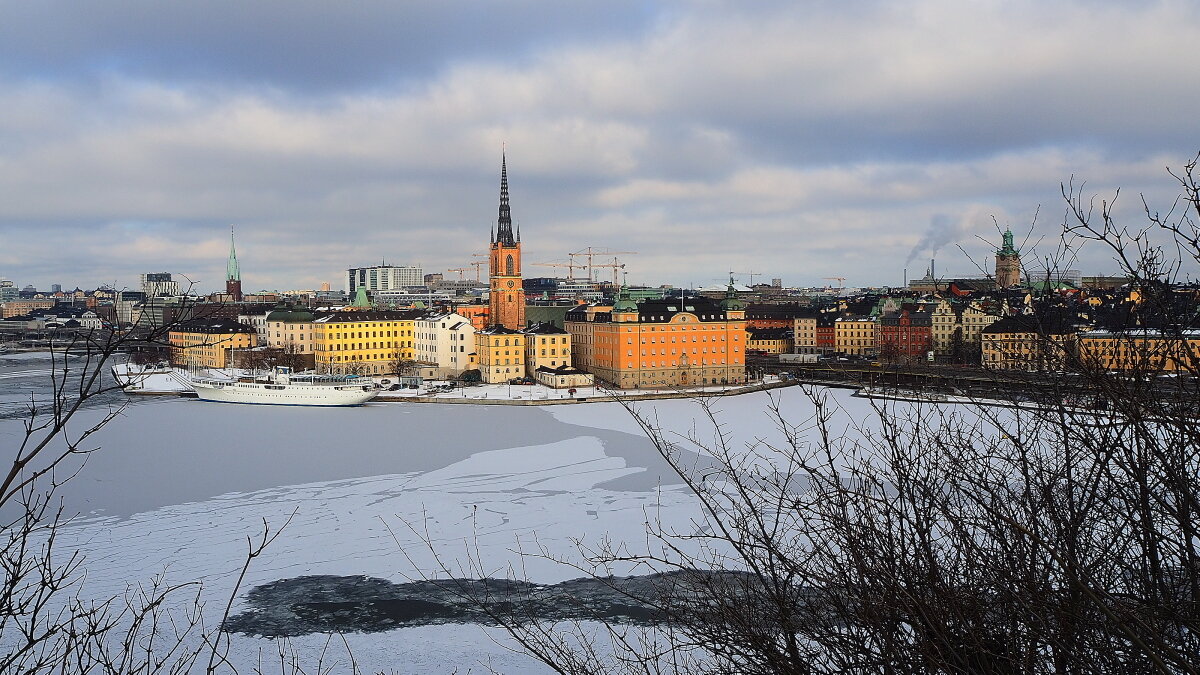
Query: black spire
pixel 504 231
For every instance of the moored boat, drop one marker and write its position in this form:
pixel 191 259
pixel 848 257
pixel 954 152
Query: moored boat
pixel 281 387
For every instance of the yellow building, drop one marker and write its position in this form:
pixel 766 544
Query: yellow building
pixel 804 334
pixel 370 342
pixel 1141 351
pixel 961 324
pixel 501 354
pixel 676 342
pixel 854 335
pixel 207 343
pixel 1024 343
pixel 770 340
pixel 546 346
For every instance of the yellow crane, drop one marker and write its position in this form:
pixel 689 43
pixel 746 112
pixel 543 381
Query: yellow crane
pixel 841 281
pixel 569 265
pixel 591 252
pixel 616 266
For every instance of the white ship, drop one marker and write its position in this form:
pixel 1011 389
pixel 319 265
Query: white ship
pixel 281 387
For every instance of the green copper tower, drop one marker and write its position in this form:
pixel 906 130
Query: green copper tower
pixel 233 273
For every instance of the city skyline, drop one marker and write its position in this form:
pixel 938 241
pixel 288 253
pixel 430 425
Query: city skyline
pixel 800 142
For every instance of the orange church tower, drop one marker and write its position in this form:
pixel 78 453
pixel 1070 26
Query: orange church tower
pixel 506 303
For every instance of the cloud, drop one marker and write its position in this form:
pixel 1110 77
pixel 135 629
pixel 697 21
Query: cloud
pixel 800 141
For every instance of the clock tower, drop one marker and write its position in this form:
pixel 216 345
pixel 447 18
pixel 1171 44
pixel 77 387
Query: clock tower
pixel 506 305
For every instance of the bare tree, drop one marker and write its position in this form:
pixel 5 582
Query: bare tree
pixel 48 621
pixel 1056 538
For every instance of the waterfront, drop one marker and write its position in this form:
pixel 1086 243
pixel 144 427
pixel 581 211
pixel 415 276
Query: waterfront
pixel 178 484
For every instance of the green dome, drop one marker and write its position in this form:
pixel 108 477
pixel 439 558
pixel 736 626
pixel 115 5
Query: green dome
pixel 624 303
pixel 290 315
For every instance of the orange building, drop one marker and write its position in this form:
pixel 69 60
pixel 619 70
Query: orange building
pixel 662 343
pixel 506 296
pixel 477 314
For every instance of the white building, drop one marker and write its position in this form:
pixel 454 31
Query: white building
pixel 290 329
pixel 409 299
pixel 445 342
pixel 384 278
pixel 258 322
pixel 155 284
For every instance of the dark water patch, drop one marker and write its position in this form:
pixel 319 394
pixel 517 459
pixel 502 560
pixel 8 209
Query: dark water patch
pixel 328 604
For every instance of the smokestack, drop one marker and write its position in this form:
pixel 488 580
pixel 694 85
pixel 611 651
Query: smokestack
pixel 932 269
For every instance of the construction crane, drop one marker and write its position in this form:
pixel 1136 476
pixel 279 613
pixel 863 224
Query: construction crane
pixel 590 253
pixel 460 271
pixel 751 275
pixel 616 266
pixel 478 264
pixel 841 280
pixel 569 265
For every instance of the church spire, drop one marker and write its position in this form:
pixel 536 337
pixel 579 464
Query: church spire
pixel 232 271
pixel 504 231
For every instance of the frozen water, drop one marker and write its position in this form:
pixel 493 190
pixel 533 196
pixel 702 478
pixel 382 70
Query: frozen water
pixel 179 484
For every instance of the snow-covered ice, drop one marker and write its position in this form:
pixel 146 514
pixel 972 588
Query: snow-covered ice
pixel 179 484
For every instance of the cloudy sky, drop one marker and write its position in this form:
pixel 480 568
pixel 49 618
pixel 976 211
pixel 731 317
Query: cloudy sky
pixel 799 140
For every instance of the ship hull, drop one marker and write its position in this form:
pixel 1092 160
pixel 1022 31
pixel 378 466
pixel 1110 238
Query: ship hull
pixel 260 393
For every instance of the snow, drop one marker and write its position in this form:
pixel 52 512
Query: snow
pixel 180 484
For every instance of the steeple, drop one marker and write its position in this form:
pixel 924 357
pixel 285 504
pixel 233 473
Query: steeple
pixel 360 299
pixel 1008 248
pixel 232 271
pixel 731 301
pixel 624 303
pixel 504 231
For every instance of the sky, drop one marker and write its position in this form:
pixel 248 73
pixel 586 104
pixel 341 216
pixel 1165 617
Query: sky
pixel 794 140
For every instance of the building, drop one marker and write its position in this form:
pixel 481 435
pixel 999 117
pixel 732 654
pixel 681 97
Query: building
pixel 677 342
pixel 1024 342
pixel 22 307
pixel 384 278
pixel 233 272
pixel 546 346
pixel 8 291
pixel 763 315
pixel 854 335
pixel 364 341
pixel 500 354
pixel 290 329
pixel 958 325
pixel 155 284
pixel 506 293
pixel 1140 350
pixel 403 298
pixel 770 341
pixel 208 343
pixel 476 313
pixel 824 333
pixel 444 344
pixel 564 377
pixel 905 334
pixel 804 334
pixel 1008 263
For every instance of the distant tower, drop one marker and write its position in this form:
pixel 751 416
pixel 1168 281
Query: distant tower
pixel 1008 263
pixel 506 303
pixel 233 274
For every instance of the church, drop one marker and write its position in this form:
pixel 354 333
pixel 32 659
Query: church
pixel 500 348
